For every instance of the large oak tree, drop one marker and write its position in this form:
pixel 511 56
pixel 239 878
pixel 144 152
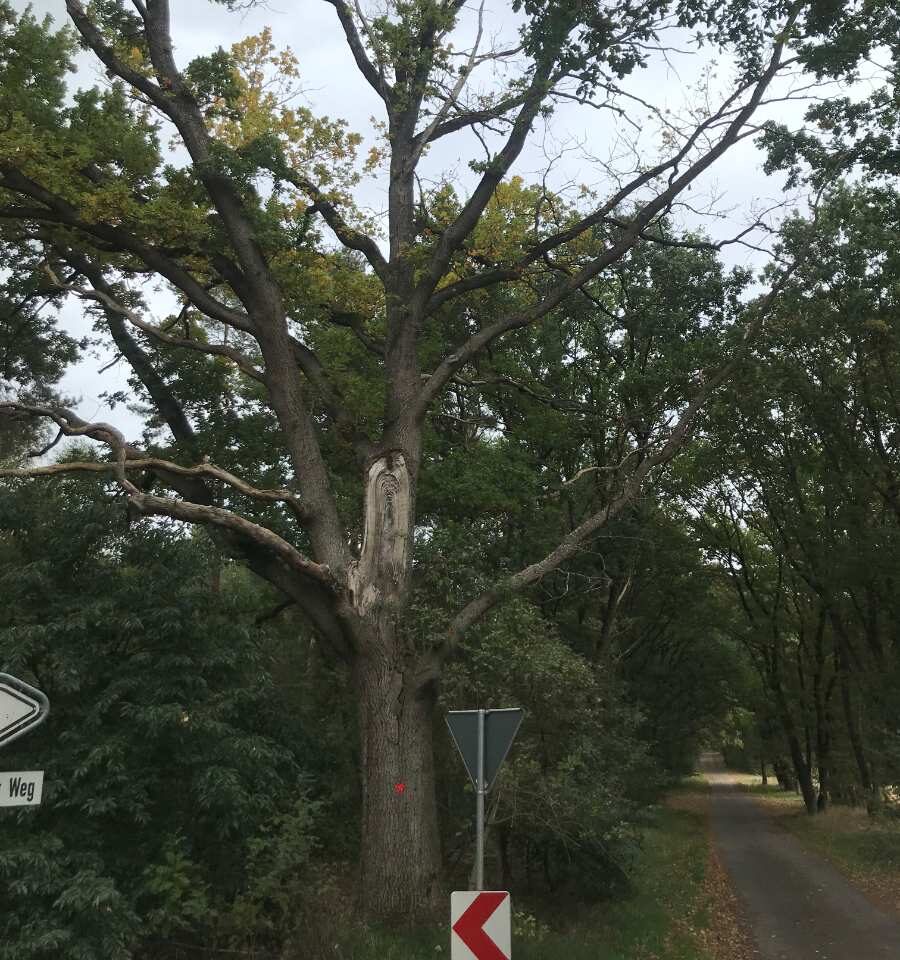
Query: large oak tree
pixel 283 288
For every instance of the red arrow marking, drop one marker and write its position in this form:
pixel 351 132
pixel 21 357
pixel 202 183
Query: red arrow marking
pixel 470 926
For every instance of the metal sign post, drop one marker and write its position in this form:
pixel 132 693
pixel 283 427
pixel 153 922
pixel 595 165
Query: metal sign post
pixel 483 738
pixel 479 807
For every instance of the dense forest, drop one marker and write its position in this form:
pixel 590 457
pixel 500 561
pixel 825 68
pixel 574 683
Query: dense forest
pixel 504 444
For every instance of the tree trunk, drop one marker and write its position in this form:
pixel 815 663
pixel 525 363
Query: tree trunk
pixel 785 775
pixel 400 859
pixel 400 852
pixel 801 767
pixel 856 741
pixel 803 773
pixel 854 727
pixel 823 730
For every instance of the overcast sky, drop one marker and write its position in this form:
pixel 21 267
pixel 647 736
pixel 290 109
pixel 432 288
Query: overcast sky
pixel 333 87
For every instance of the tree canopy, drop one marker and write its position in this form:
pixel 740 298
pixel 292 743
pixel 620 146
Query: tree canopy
pixel 429 431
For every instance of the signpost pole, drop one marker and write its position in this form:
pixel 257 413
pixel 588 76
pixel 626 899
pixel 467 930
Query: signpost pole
pixel 479 807
pixel 480 922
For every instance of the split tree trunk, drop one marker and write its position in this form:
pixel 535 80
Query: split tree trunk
pixel 400 860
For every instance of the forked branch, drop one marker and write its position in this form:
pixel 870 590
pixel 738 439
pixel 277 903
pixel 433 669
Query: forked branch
pixel 572 542
pixel 128 458
pixel 629 236
pixel 157 465
pixel 110 303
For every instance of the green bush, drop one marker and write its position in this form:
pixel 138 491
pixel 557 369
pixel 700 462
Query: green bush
pixel 175 801
pixel 567 806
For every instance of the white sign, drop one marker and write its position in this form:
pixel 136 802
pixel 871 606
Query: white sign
pixel 22 707
pixel 480 925
pixel 21 789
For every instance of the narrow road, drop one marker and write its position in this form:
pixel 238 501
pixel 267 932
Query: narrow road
pixel 799 907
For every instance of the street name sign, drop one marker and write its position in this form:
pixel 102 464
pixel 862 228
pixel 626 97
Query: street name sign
pixel 480 925
pixel 22 708
pixel 21 789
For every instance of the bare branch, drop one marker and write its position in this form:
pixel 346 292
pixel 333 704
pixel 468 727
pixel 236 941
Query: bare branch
pixel 736 132
pixel 366 68
pixel 471 118
pixel 465 221
pixel 550 400
pixel 377 49
pixel 354 323
pixel 241 361
pixel 55 210
pixel 630 235
pixel 73 426
pixel 425 137
pixel 350 237
pixel 232 522
pixel 278 495
pixel 43 451
pixel 571 543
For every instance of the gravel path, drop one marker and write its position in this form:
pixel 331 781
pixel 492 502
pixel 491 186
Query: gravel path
pixel 798 906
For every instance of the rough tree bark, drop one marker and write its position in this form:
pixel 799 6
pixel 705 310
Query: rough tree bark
pixel 801 764
pixel 400 855
pixel 396 707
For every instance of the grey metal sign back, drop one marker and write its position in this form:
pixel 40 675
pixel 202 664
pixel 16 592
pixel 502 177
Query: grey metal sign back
pixel 500 729
pixel 483 738
pixel 22 708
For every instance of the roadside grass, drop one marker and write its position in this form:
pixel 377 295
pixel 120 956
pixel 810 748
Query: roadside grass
pixel 865 848
pixel 663 917
pixel 786 800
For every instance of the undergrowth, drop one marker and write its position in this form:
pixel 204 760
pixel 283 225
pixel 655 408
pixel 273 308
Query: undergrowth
pixel 658 919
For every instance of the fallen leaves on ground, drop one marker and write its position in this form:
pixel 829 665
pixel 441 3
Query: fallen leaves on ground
pixel 716 922
pixel 726 937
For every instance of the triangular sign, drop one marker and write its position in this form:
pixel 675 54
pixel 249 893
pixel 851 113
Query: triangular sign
pixel 21 708
pixel 500 729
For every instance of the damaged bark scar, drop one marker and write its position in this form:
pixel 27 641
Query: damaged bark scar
pixel 378 577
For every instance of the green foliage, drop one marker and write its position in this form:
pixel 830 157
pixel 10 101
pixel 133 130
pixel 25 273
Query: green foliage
pixel 180 806
pixel 666 907
pixel 848 132
pixel 592 37
pixel 804 514
pixel 33 63
pixel 175 804
pixel 214 78
pixel 568 802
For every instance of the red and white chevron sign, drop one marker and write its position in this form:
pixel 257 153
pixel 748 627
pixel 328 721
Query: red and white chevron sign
pixel 480 925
